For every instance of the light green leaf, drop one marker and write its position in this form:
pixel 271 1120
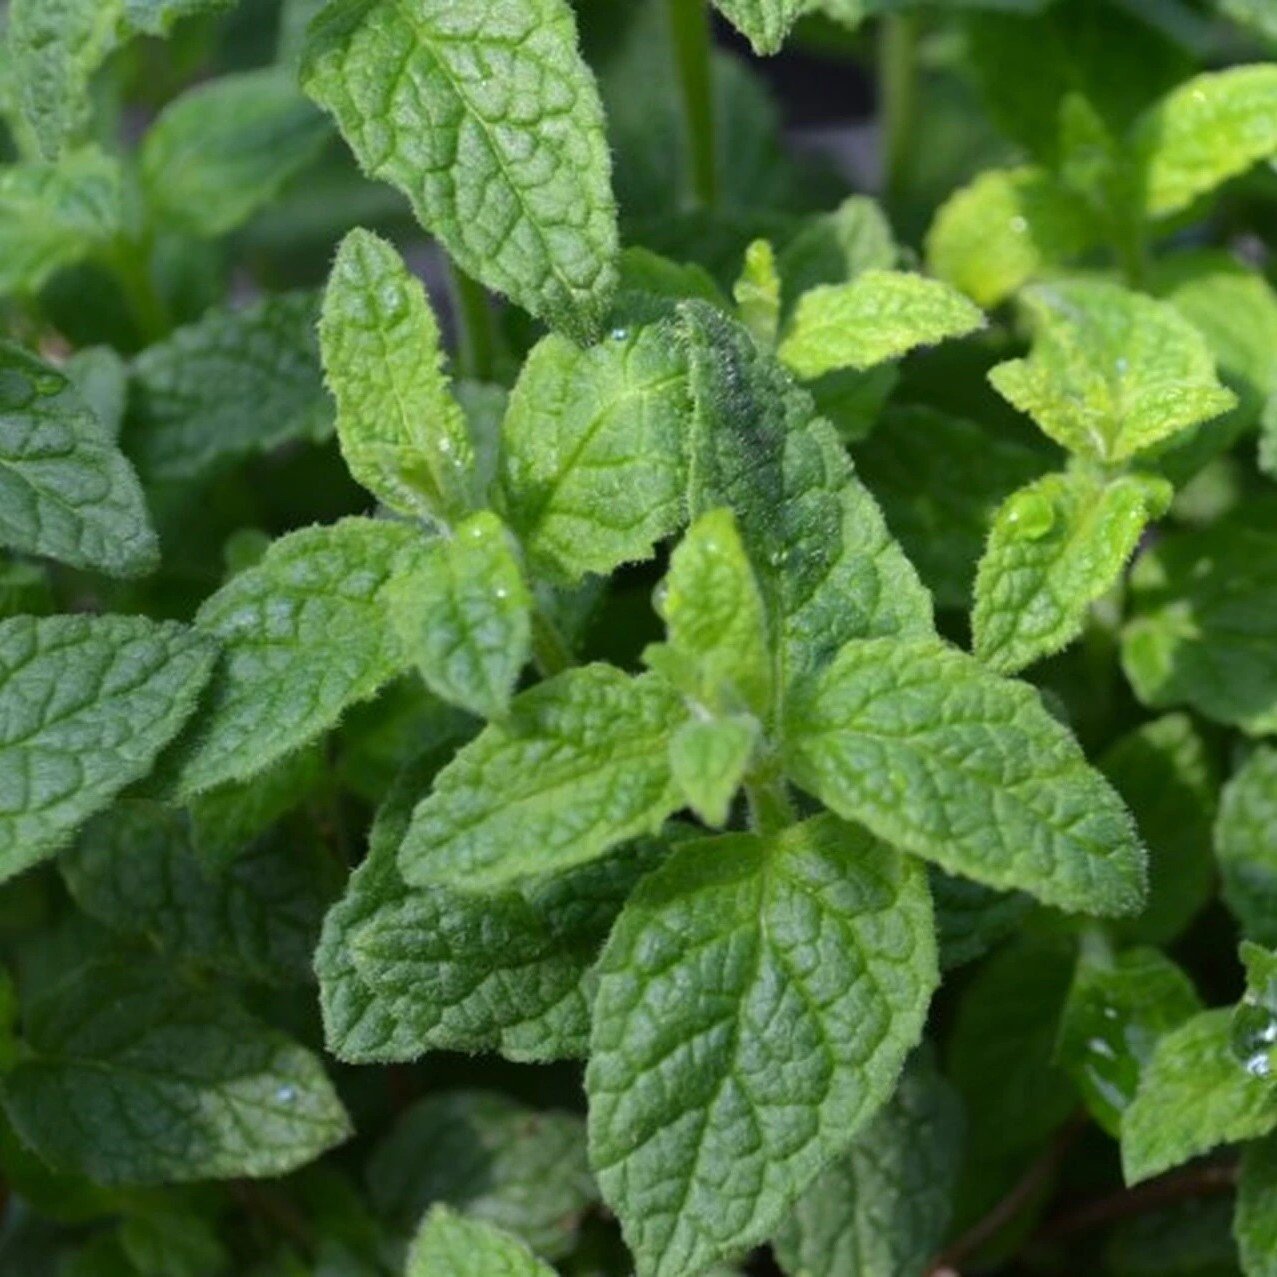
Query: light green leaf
pixel 1206 130
pixel 491 1158
pixel 1245 847
pixel 102 378
pixel 879 315
pixel 1116 1012
pixel 983 780
pixel 1255 1223
pixel 137 870
pixel 402 433
pixel 826 564
pixel 1008 227
pixel 66 490
pixel 709 759
pixel 465 616
pixel 757 294
pixel 756 1002
pixel 1112 372
pixel 1204 622
pixel 580 766
pixel 55 215
pixel 593 446
pixel 450 1245
pixel 1167 776
pixel 883 1209
pixel 836 247
pixel 136 1079
pixel 1056 547
pixel 764 22
pixel 1193 1095
pixel 303 635
pixel 86 704
pixel 717 653
pixel 489 120
pixel 233 383
pixel 225 149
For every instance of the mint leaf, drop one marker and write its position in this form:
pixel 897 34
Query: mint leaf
pixel 55 215
pixel 66 491
pixel 580 765
pixel 102 378
pixel 136 1079
pixel 86 704
pixel 1008 227
pixel 1116 1012
pixel 225 149
pixel 1202 622
pixel 402 433
pixel 1256 14
pixel 757 293
pixel 592 451
pixel 971 918
pixel 709 760
pixel 879 315
pixel 303 635
pixel 465 616
pixel 1193 1095
pixel 984 781
pixel 158 17
pixel 488 1156
pixel 836 247
pixel 1206 130
pixel 449 1245
pixel 1112 372
pixel 764 22
pixel 1244 845
pixel 756 1002
pixel 1056 547
pixel 1254 1027
pixel 511 171
pixel 1255 1223
pixel 883 1209
pixel 233 383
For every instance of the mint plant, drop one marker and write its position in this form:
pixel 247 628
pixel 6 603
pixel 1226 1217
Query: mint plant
pixel 579 694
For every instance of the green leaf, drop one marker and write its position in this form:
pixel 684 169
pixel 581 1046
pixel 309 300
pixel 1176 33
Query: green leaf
pixel 836 247
pixel 225 149
pixel 1056 547
pixel 449 1245
pixel 717 653
pixel 879 315
pixel 984 781
pixel 1263 19
pixel 1116 1012
pixel 303 635
pixel 710 759
pixel 1193 1095
pixel 1203 623
pixel 1168 778
pixel 1254 1026
pixel 509 167
pixel 971 918
pixel 1207 130
pixel 757 294
pixel 25 590
pixel 233 383
pixel 102 378
pixel 402 433
pixel 764 22
pixel 825 562
pixel 86 704
pixel 486 1155
pixel 883 1209
pixel 137 870
pixel 580 766
pixel 136 1079
pixel 1255 1223
pixel 1112 372
pixel 756 1002
pixel 158 17
pixel 408 970
pixel 465 616
pixel 593 446
pixel 55 215
pixel 1245 848
pixel 1008 227
pixel 66 491
pixel 173 1242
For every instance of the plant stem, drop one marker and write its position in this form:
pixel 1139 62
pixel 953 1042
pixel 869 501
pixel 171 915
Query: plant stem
pixel 476 329
pixel 550 651
pixel 770 807
pixel 898 105
pixel 129 262
pixel 690 34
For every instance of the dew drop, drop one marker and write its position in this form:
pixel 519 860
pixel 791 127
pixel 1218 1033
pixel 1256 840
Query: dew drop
pixel 501 592
pixel 1032 515
pixel 286 1094
pixel 1259 1064
pixel 620 334
pixel 1020 225
pixel 1098 1046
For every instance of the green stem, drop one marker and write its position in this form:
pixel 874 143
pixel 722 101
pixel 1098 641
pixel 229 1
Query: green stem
pixel 130 263
pixel 550 651
pixel 770 807
pixel 898 108
pixel 476 328
pixel 690 34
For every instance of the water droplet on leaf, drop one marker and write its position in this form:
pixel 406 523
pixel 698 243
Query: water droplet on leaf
pixel 1031 514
